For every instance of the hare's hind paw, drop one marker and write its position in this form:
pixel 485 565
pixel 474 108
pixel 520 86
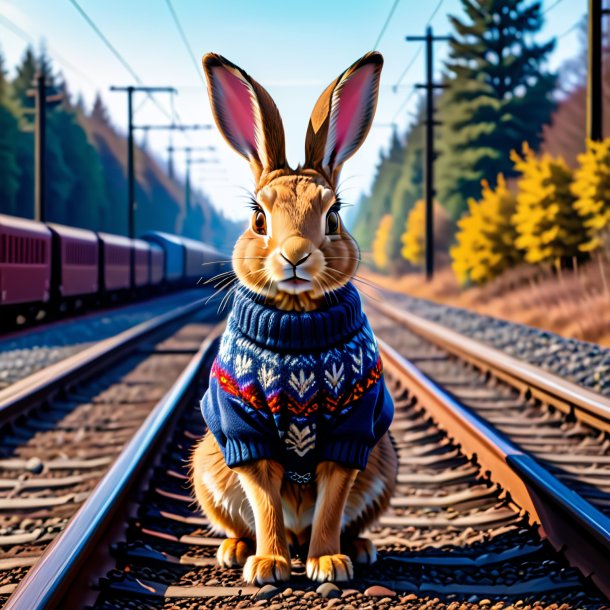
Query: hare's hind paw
pixel 234 552
pixel 262 569
pixel 332 568
pixel 362 551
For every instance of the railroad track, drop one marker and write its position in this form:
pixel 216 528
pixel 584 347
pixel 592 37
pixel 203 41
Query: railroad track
pixel 457 536
pixel 62 428
pixel 27 351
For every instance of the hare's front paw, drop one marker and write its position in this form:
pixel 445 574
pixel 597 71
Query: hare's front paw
pixel 362 551
pixel 333 568
pixel 261 569
pixel 233 552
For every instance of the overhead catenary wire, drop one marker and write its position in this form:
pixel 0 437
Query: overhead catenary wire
pixel 419 49
pixel 385 25
pixel 20 33
pixel 569 31
pixel 404 103
pixel 116 53
pixel 550 8
pixel 185 41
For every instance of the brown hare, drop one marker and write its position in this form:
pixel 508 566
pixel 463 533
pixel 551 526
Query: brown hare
pixel 297 450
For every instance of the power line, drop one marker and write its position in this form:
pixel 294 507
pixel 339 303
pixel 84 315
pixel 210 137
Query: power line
pixel 420 49
pixel 550 8
pixel 404 103
pixel 438 6
pixel 385 25
pixel 185 39
pixel 115 52
pixel 568 31
pixel 15 29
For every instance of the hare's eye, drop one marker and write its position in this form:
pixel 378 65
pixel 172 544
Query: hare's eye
pixel 332 223
pixel 259 222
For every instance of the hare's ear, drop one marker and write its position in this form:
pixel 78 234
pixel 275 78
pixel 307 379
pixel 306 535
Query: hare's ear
pixel 245 114
pixel 343 115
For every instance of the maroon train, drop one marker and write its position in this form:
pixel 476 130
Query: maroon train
pixel 49 266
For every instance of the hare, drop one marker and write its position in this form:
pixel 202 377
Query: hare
pixel 297 452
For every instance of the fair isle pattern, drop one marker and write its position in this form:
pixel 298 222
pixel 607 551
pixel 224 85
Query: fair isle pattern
pixel 282 381
pixel 326 382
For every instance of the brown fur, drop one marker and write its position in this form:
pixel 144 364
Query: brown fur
pixel 333 512
pixel 254 502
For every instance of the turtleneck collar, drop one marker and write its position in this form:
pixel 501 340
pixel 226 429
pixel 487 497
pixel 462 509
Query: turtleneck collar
pixel 279 330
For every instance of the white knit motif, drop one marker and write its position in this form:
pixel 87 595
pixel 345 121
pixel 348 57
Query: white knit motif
pixel 335 377
pixel 267 376
pixel 243 364
pixel 301 441
pixel 301 384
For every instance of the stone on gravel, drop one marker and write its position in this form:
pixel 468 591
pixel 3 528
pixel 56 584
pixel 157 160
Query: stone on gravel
pixel 266 592
pixel 408 598
pixel 328 589
pixel 379 591
pixel 34 465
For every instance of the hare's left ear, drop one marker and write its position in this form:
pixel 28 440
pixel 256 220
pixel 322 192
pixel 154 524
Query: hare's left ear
pixel 245 114
pixel 342 116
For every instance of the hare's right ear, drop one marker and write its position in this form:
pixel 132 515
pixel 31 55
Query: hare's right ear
pixel 342 116
pixel 245 114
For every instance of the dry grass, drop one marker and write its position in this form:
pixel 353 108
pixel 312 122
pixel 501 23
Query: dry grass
pixel 572 303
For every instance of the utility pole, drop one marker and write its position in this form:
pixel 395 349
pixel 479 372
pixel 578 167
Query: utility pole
pixel 188 149
pixel 429 86
pixel 131 180
pixel 42 101
pixel 187 185
pixel 595 108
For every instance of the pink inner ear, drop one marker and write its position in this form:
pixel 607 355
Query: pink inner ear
pixel 354 102
pixel 237 114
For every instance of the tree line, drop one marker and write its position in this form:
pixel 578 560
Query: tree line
pixel 86 182
pixel 511 149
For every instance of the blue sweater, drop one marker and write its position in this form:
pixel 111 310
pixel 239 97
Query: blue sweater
pixel 298 388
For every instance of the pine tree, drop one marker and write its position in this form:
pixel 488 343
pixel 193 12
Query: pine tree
pixel 548 225
pixel 380 242
pixel 378 202
pixel 499 95
pixel 486 236
pixel 408 190
pixel 9 133
pixel 591 187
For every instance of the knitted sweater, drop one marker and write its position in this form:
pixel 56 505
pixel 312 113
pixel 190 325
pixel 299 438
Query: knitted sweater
pixel 298 388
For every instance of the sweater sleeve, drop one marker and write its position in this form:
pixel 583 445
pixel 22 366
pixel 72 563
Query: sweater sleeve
pixel 348 439
pixel 243 433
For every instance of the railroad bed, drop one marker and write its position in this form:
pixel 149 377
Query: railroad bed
pixel 23 353
pixel 452 539
pixel 55 449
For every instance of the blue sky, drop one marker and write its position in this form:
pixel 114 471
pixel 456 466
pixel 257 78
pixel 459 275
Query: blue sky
pixel 294 49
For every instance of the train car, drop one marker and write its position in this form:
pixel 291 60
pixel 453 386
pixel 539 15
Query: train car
pixel 115 262
pixel 173 248
pixel 25 261
pixel 156 264
pixel 141 262
pixel 199 260
pixel 75 261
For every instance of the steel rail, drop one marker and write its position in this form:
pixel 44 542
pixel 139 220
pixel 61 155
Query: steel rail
pixel 570 523
pixel 584 404
pixel 42 385
pixel 51 577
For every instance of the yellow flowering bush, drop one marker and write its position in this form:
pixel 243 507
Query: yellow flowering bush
pixel 485 240
pixel 591 187
pixel 549 228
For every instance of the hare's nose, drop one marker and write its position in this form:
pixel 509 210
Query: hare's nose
pixel 296 250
